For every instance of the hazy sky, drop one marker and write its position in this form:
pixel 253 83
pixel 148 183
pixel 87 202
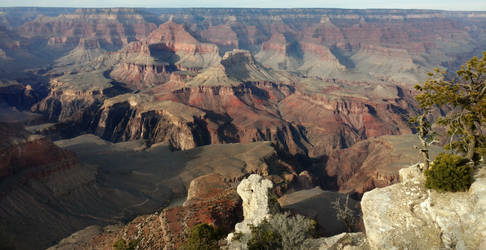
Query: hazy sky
pixel 350 4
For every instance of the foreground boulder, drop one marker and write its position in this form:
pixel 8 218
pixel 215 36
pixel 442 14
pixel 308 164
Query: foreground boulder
pixel 408 216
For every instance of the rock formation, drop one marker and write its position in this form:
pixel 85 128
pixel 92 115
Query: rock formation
pixel 408 216
pixel 130 117
pixel 256 208
pixel 343 241
pixel 254 193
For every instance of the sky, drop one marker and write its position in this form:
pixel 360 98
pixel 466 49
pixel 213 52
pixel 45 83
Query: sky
pixel 479 5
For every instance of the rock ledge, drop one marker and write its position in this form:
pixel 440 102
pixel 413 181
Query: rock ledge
pixel 408 216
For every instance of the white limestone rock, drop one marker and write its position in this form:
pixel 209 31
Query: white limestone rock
pixel 254 191
pixel 408 216
pixel 343 241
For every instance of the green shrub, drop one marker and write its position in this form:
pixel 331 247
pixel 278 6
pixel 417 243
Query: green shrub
pixel 263 237
pixel 203 237
pixel 449 173
pixel 121 244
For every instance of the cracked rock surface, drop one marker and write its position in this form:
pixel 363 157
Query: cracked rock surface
pixel 408 216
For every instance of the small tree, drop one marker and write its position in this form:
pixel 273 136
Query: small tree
pixel 425 135
pixel 465 97
pixel 344 213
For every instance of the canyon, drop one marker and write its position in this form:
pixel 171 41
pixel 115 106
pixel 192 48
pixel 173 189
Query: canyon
pixel 109 114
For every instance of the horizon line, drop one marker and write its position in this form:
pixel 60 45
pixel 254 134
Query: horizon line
pixel 270 8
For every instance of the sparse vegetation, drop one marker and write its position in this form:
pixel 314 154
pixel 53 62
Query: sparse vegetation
pixel 449 173
pixel 263 237
pixel 294 230
pixel 344 213
pixel 282 231
pixel 121 244
pixel 203 237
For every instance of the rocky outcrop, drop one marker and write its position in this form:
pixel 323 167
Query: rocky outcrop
pixel 240 65
pixel 343 241
pixel 406 215
pixel 254 191
pixel 140 76
pixel 130 117
pixel 191 53
pixel 71 95
pixel 258 206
